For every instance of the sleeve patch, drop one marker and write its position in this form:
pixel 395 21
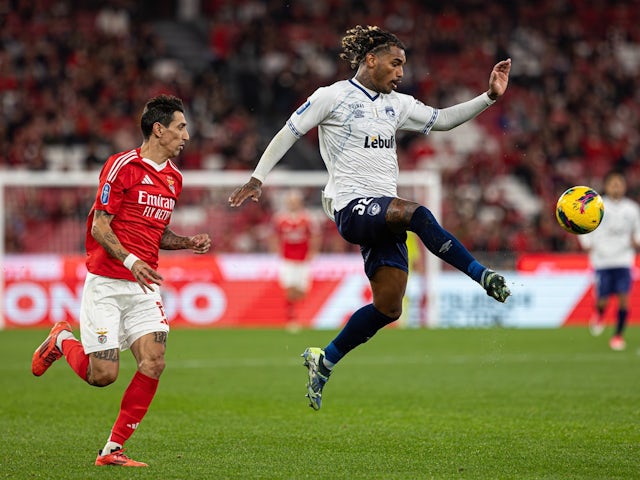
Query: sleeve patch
pixel 104 195
pixel 303 107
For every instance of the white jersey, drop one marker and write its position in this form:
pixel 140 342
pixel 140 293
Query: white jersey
pixel 611 244
pixel 356 131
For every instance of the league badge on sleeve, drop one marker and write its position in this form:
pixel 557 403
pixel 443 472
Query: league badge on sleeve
pixel 104 195
pixel 303 107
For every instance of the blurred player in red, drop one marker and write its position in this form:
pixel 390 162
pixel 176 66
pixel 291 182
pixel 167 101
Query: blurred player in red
pixel 121 309
pixel 297 242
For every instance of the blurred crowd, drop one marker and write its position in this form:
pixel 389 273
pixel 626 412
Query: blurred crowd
pixel 74 75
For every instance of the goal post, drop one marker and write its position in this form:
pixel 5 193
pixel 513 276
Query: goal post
pixel 203 202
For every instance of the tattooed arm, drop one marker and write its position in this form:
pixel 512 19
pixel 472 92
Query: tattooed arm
pixel 101 230
pixel 103 233
pixel 199 243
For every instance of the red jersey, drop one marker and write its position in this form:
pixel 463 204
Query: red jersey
pixel 141 195
pixel 294 235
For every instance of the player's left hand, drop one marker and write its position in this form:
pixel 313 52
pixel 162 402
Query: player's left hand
pixel 252 189
pixel 499 79
pixel 200 243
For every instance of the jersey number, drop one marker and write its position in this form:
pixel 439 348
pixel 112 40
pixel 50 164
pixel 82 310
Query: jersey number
pixel 361 206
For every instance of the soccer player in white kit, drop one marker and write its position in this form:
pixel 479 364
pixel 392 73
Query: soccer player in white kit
pixel 121 309
pixel 357 120
pixel 612 252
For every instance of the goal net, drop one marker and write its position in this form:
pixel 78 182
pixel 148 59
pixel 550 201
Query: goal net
pixel 42 252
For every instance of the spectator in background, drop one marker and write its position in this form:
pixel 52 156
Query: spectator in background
pixel 577 65
pixel 612 251
pixel 297 241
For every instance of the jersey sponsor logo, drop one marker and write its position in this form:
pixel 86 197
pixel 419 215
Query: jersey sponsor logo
pixel 376 141
pixel 146 180
pixel 156 206
pixel 104 195
pixel 303 107
pixel 146 198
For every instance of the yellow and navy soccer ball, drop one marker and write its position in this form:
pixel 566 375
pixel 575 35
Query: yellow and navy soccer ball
pixel 580 210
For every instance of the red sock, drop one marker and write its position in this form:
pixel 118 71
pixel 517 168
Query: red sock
pixel 135 403
pixel 75 356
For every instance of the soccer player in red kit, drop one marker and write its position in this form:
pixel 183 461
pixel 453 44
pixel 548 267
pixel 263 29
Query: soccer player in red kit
pixel 121 308
pixel 297 239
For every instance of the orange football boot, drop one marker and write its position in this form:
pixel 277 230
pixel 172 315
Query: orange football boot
pixel 47 352
pixel 118 459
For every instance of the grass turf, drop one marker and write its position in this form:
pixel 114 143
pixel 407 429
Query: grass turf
pixel 410 404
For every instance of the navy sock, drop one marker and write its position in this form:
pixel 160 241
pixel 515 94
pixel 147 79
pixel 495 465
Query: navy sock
pixel 362 325
pixel 622 320
pixel 444 245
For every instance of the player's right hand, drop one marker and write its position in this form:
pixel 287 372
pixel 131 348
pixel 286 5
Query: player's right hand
pixel 145 275
pixel 252 189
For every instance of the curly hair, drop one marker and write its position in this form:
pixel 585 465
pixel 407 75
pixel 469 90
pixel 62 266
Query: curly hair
pixel 360 40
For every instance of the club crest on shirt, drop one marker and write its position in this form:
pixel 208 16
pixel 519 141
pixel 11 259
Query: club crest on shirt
pixel 391 113
pixel 374 209
pixel 172 183
pixel 357 109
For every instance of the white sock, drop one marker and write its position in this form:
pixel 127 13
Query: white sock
pixel 486 272
pixel 63 335
pixel 328 364
pixel 110 447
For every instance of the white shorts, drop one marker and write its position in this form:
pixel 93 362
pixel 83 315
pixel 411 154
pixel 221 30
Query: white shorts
pixel 295 274
pixel 115 313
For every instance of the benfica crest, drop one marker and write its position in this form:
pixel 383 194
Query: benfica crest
pixel 171 182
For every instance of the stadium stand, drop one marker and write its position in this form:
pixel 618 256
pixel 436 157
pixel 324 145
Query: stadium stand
pixel 72 75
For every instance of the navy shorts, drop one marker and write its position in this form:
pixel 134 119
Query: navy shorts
pixel 363 223
pixel 610 281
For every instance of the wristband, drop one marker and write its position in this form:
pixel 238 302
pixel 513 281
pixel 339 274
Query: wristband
pixel 488 99
pixel 130 260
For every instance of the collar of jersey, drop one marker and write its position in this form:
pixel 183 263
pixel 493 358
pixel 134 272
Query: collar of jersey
pixel 369 93
pixel 155 165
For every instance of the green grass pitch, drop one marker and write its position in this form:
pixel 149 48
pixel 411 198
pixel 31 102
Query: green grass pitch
pixel 409 404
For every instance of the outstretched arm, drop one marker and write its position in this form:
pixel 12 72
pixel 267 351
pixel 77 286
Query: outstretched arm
pixel 279 145
pixel 455 115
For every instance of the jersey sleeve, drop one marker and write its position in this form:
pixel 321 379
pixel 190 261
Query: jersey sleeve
pixel 418 117
pixel 111 190
pixel 586 240
pixel 311 113
pixel 636 222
